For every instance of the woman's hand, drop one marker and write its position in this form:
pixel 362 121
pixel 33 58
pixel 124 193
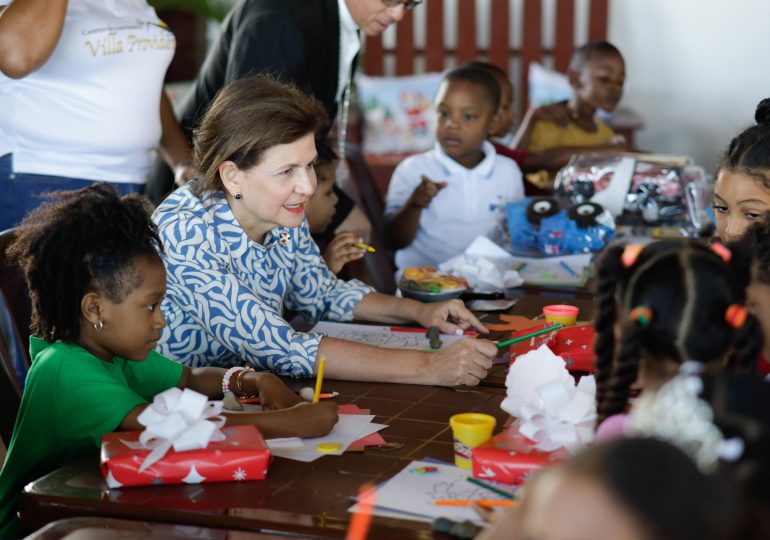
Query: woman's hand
pixel 463 363
pixel 341 251
pixel 451 317
pixel 273 393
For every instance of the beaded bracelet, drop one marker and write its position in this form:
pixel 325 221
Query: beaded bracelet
pixel 226 379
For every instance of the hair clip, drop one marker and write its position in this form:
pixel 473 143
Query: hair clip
pixel 722 250
pixel 676 413
pixel 642 315
pixel 736 315
pixel 630 254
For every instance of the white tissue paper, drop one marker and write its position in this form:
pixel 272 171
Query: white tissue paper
pixel 550 409
pixel 485 265
pixel 183 419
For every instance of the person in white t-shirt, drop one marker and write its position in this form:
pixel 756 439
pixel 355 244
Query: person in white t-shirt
pixel 81 99
pixel 439 201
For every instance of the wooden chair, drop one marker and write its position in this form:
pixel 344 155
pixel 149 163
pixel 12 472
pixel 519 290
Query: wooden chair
pixel 406 57
pixel 438 54
pixel 15 310
pixel 380 265
pixel 10 393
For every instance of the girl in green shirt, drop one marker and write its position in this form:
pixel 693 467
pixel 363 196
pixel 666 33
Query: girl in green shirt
pixel 91 262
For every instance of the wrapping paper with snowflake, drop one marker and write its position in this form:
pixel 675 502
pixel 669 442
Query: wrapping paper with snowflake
pixel 574 344
pixel 511 458
pixel 241 456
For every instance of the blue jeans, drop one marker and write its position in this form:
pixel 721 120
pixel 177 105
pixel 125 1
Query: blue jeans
pixel 22 192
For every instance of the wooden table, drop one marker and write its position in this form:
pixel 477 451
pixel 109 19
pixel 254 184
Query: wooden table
pixel 298 499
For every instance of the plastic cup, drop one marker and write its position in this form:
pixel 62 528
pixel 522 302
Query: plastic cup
pixel 468 431
pixel 561 313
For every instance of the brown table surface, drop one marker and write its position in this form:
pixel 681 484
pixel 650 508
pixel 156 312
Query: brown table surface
pixel 298 499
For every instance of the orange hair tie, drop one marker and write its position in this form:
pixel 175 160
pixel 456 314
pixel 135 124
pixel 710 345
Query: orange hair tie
pixel 722 250
pixel 641 315
pixel 736 315
pixel 630 254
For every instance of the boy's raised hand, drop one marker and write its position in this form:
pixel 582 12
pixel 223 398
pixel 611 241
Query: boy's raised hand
pixel 341 251
pixel 424 193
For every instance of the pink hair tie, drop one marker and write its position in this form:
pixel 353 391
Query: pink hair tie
pixel 722 250
pixel 630 254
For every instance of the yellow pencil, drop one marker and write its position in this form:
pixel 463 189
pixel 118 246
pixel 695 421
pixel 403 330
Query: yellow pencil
pixel 367 247
pixel 319 380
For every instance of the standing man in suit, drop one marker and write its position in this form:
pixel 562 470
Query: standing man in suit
pixel 311 43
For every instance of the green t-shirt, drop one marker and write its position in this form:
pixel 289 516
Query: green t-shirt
pixel 71 398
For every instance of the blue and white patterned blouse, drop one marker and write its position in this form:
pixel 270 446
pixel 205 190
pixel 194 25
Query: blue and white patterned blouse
pixel 226 293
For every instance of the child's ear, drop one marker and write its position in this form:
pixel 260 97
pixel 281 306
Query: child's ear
pixel 494 123
pixel 90 307
pixel 231 178
pixel 574 79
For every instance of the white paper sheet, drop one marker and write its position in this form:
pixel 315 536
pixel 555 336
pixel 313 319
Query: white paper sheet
pixel 412 492
pixel 380 336
pixel 565 270
pixel 348 429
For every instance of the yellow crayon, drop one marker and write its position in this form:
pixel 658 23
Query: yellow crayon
pixel 367 247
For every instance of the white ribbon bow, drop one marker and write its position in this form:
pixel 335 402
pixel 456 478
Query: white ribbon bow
pixel 183 419
pixel 550 409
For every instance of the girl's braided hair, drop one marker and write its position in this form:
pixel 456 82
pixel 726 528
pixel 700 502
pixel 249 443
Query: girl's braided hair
pixel 686 288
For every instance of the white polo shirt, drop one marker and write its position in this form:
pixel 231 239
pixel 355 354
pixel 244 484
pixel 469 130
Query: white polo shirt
pixel 472 203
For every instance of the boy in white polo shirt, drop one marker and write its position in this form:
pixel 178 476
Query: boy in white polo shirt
pixel 439 201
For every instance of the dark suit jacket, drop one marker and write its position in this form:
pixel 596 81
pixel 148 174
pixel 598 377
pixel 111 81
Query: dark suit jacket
pixel 295 40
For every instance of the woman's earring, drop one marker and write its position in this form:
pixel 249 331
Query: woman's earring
pixel 238 196
pixel 99 326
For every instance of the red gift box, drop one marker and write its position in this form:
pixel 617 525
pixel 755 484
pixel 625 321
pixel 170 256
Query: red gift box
pixel 511 458
pixel 241 456
pixel 573 343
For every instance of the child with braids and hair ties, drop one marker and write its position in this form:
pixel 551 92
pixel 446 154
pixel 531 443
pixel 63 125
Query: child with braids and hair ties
pixel 92 264
pixel 661 305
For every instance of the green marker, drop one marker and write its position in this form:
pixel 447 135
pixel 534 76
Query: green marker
pixel 527 336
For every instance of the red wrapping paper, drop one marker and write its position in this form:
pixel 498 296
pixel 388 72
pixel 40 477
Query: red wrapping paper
pixel 511 458
pixel 573 343
pixel 242 456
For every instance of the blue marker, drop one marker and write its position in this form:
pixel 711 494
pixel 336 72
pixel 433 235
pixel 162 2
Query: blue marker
pixel 567 268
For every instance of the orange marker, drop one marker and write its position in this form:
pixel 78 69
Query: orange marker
pixel 486 503
pixel 359 524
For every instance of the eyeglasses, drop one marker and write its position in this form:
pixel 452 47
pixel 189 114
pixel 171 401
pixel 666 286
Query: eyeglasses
pixel 408 4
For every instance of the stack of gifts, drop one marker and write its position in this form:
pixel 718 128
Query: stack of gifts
pixel 554 418
pixel 184 442
pixel 574 344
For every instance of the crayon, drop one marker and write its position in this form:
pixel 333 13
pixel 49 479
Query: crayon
pixel 367 247
pixel 493 489
pixel 319 380
pixel 527 336
pixel 468 502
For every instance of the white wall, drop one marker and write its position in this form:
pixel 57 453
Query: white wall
pixel 696 70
